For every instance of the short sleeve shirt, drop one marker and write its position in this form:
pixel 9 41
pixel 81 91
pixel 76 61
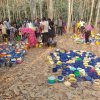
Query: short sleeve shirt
pixel 46 26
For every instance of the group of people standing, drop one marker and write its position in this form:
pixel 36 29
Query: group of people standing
pixel 83 29
pixel 44 29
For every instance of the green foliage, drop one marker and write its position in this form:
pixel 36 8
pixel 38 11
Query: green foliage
pixel 81 9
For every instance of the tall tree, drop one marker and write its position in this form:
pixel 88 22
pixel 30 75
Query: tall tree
pixel 92 6
pixel 32 5
pixel 98 14
pixel 50 9
pixel 72 9
pixel 69 16
pixel 8 9
pixel 68 9
pixel 40 5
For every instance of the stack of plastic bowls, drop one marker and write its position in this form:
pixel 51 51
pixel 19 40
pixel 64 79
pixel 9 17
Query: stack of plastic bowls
pixel 76 65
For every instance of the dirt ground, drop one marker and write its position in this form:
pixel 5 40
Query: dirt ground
pixel 28 81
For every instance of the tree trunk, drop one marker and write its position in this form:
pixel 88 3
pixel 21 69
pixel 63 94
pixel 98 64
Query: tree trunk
pixel 33 9
pixel 69 16
pixel 72 10
pixel 80 10
pixel 40 4
pixel 8 9
pixel 90 19
pixel 50 9
pixel 25 13
pixel 98 14
pixel 19 15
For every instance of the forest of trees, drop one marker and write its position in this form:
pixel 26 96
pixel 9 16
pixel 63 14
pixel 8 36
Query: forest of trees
pixel 70 10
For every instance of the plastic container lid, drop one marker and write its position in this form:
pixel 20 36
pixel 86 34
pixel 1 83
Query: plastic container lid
pixel 59 63
pixel 78 59
pixel 72 68
pixel 60 78
pixel 84 65
pixel 67 83
pixel 88 78
pixel 54 70
pixel 51 80
pixel 71 75
pixel 76 73
pixel 72 80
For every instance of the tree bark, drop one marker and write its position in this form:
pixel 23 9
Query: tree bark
pixel 40 6
pixel 90 19
pixel 69 16
pixel 32 5
pixel 72 10
pixel 50 10
pixel 98 14
pixel 8 9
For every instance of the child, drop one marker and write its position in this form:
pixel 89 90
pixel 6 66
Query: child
pixel 51 42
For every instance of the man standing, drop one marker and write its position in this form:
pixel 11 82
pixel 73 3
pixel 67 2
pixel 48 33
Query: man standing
pixel 44 25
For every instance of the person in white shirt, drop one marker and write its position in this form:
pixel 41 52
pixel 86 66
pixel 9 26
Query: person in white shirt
pixel 29 24
pixel 44 25
pixel 82 25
